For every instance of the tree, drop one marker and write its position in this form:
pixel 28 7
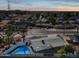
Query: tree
pixel 1 40
pixel 0 20
pixel 68 49
pixel 23 36
pixel 62 53
pixel 53 21
pixel 9 32
pixel 65 51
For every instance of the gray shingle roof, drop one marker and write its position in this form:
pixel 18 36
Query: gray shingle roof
pixel 51 41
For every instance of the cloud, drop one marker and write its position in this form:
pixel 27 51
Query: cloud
pixel 20 2
pixel 67 8
pixel 65 0
pixel 58 8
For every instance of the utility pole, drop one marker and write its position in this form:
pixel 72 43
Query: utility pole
pixel 8 4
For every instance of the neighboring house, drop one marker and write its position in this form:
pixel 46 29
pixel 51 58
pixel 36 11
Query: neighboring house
pixel 19 25
pixel 75 39
pixel 43 22
pixel 59 20
pixel 77 21
pixel 65 26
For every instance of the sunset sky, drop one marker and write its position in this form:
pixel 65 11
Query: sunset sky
pixel 50 5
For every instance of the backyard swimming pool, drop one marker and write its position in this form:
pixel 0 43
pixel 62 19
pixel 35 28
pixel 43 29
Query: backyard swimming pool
pixel 21 50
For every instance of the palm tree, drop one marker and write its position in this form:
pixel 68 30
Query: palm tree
pixel 65 51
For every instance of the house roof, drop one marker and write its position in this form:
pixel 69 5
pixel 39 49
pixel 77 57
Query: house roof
pixel 50 42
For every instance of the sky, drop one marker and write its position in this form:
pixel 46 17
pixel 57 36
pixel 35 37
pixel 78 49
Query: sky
pixel 49 5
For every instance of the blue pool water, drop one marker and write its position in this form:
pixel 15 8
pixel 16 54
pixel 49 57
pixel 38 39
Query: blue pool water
pixel 22 50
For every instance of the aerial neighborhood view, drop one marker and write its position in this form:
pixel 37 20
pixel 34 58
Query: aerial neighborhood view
pixel 38 32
